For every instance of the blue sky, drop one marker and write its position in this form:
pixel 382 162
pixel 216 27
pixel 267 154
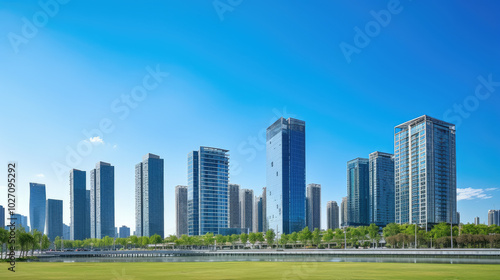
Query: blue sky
pixel 231 72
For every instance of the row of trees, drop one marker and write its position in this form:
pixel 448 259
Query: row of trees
pixel 25 242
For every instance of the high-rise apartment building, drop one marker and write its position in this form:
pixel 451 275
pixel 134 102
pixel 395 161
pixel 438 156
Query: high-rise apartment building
pixel 181 210
pixel 381 193
pixel 358 190
pixel 343 212
pixel 208 176
pixel 246 209
pixel 124 232
pixel 2 217
pixel 20 221
pixel 54 219
pixel 493 217
pixel 77 191
pixel 332 215
pixel 234 206
pixel 286 175
pixel 102 200
pixel 425 172
pixel 87 214
pixel 37 206
pixel 313 206
pixel 149 201
pixel 476 221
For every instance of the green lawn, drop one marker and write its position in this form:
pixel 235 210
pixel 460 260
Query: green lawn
pixel 248 270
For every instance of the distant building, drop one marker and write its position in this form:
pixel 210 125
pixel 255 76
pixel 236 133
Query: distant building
pixel 259 214
pixel 332 215
pixel 102 200
pixel 381 189
pixel 458 217
pixel 425 172
pixel 313 206
pixel 234 206
pixel 231 231
pixel 20 220
pixel 181 210
pixel 54 224
pixel 149 201
pixel 77 204
pixel 246 208
pixel 358 190
pixel 124 232
pixel 343 212
pixel 37 207
pixel 494 217
pixel 2 217
pixel 286 176
pixel 66 232
pixel 208 176
pixel 476 221
pixel 87 214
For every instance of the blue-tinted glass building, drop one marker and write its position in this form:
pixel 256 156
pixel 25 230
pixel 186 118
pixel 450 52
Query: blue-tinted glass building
pixel 382 188
pixel 358 190
pixel 208 178
pixel 37 207
pixel 124 232
pixel 2 217
pixel 87 214
pixel 149 201
pixel 425 172
pixel 102 200
pixel 54 223
pixel 286 176
pixel 20 220
pixel 77 190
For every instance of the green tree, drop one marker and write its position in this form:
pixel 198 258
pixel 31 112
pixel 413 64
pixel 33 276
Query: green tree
pixel 209 239
pixel 134 240
pixel 293 238
pixel 45 242
pixel 373 233
pixel 4 238
pixel 283 240
pixel 316 237
pixel 156 239
pixel 145 241
pixel 244 239
pixel 252 237
pixel 328 237
pixel 58 243
pixel 391 229
pixel 305 235
pixel 234 239
pixel 270 235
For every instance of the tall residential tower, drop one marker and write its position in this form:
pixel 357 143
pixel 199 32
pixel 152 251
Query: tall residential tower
pixel 102 200
pixel 381 197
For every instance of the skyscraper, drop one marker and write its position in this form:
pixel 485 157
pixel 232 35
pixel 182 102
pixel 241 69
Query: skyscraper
pixel 234 206
pixel 37 207
pixel 2 217
pixel 66 232
pixel 246 208
pixel 149 202
pixel 54 223
pixel 381 193
pixel 124 232
pixel 102 200
pixel 263 215
pixel 313 206
pixel 425 172
pixel 286 175
pixel 493 217
pixel 77 190
pixel 208 175
pixel 20 220
pixel 87 214
pixel 476 221
pixel 358 189
pixel 181 210
pixel 257 206
pixel 332 215
pixel 343 212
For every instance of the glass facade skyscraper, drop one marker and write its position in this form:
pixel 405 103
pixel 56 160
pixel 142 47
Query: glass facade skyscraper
pixel 493 217
pixel 54 219
pixel 358 192
pixel 343 212
pixel 37 206
pixel 425 172
pixel 181 210
pixel 208 192
pixel 87 214
pixel 332 215
pixel 313 206
pixel 234 206
pixel 20 220
pixel 286 175
pixel 77 190
pixel 2 217
pixel 381 208
pixel 102 200
pixel 149 201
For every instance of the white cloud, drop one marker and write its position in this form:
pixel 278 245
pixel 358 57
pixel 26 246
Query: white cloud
pixel 96 140
pixel 115 146
pixel 40 175
pixel 470 193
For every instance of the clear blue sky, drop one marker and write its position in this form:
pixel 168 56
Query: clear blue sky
pixel 230 75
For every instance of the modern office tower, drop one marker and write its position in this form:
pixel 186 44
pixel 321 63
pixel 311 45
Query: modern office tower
pixel 181 210
pixel 149 202
pixel 358 190
pixel 313 206
pixel 234 206
pixel 381 189
pixel 87 214
pixel 286 176
pixel 260 212
pixel 102 200
pixel 124 232
pixel 54 219
pixel 343 212
pixel 20 220
pixel 246 208
pixel 332 215
pixel 116 233
pixel 208 175
pixel 493 217
pixel 458 217
pixel 476 221
pixel 77 190
pixel 37 207
pixel 66 232
pixel 425 172
pixel 256 217
pixel 2 217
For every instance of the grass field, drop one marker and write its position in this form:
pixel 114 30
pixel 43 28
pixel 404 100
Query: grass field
pixel 248 270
